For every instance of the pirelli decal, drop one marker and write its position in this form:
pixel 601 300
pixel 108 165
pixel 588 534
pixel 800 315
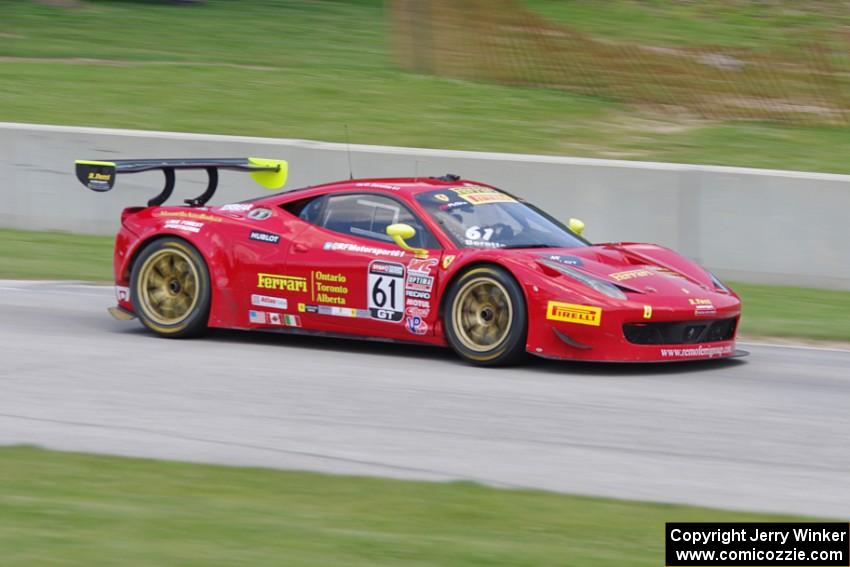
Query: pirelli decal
pixel 282 283
pixel 571 313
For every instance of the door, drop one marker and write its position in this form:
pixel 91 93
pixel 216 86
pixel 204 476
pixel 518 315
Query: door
pixel 358 280
pixel 256 248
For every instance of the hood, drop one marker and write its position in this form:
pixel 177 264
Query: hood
pixel 638 268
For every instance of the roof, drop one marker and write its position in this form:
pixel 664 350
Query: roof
pixel 407 186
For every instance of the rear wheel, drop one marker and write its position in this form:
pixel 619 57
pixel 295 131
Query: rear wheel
pixel 170 288
pixel 485 317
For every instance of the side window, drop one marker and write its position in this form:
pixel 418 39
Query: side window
pixel 368 216
pixel 307 210
pixel 311 211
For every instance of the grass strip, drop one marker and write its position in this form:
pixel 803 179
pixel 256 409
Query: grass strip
pixel 306 69
pixel 71 509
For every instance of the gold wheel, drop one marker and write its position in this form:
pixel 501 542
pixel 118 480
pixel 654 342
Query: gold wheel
pixel 482 314
pixel 168 286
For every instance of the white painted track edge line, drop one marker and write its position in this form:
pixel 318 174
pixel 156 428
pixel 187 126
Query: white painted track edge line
pixel 796 347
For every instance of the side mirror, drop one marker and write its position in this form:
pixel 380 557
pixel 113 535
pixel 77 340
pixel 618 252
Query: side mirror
pixel 399 233
pixel 576 226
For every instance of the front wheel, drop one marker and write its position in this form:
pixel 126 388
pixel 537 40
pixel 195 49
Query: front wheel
pixel 170 288
pixel 485 317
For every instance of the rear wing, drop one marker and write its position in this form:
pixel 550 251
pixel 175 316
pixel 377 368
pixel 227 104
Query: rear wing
pixel 100 175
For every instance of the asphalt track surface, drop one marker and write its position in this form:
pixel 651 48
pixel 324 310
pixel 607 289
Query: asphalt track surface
pixel 770 432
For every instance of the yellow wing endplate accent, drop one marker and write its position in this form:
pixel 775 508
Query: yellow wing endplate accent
pixel 90 162
pixel 273 178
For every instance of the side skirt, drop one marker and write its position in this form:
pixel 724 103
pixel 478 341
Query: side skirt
pixel 331 335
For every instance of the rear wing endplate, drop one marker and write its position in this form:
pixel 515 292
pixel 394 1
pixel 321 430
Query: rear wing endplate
pixel 100 175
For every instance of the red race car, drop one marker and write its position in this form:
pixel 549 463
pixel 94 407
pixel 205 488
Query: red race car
pixel 442 261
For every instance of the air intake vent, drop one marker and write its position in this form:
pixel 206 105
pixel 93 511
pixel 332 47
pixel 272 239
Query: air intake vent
pixel 682 332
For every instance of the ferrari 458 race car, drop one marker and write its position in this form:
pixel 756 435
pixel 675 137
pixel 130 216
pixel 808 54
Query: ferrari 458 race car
pixel 442 261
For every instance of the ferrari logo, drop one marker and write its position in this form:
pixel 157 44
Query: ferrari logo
pixel 631 274
pixel 647 311
pixel 283 283
pixel 447 261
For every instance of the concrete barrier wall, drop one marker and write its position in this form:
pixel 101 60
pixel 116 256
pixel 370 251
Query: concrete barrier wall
pixel 745 224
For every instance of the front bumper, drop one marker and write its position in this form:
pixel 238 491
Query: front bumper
pixel 685 333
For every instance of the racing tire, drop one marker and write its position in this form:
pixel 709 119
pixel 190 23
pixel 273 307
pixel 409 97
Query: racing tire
pixel 485 317
pixel 170 288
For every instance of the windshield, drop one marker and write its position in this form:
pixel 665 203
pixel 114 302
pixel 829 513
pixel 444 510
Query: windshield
pixel 482 217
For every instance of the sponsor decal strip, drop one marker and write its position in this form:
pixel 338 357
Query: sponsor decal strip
pixel 697 352
pixel 267 301
pixel 334 311
pixel 184 225
pixel 563 259
pixel 188 215
pixel 421 266
pixel 237 207
pixel 482 195
pixel 572 313
pixel 416 325
pixel 418 281
pixel 371 250
pixel 378 186
pixel 261 236
pixel 702 307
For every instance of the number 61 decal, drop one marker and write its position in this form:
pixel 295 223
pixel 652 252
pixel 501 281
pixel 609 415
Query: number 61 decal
pixel 385 290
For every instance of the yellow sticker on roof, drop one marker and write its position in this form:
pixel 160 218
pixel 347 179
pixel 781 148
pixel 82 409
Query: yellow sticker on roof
pixel 482 195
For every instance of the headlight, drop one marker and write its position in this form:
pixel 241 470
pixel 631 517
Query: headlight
pixel 601 286
pixel 717 283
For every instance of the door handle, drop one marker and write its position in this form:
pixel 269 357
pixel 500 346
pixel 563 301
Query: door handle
pixel 298 247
